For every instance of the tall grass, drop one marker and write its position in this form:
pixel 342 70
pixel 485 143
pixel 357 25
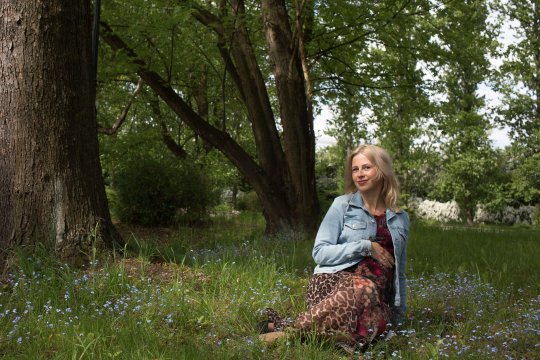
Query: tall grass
pixel 498 255
pixel 199 293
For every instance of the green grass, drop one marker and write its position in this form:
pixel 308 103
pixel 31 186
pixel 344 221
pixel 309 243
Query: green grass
pixel 499 255
pixel 199 293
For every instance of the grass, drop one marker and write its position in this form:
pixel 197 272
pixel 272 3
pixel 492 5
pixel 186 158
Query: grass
pixel 199 293
pixel 499 255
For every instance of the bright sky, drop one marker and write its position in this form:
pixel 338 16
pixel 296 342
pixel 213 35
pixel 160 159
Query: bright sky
pixel 499 137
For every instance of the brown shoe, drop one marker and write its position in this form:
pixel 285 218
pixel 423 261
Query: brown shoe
pixel 271 336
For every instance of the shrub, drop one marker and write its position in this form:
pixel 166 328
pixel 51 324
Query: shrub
pixel 152 193
pixel 249 201
pixel 328 176
pixel 449 212
pixel 507 216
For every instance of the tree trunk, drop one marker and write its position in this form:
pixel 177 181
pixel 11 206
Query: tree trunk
pixel 295 110
pixel 51 186
pixel 536 52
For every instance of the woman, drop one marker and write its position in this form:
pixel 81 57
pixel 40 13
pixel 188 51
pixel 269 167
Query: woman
pixel 358 286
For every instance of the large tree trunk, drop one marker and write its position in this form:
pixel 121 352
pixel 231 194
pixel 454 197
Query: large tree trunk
pixel 283 176
pixel 51 187
pixel 295 110
pixel 536 52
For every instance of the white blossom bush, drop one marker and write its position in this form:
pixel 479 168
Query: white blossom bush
pixel 449 211
pixel 508 216
pixel 434 210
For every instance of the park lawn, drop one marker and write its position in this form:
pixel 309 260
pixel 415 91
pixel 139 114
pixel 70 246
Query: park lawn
pixel 199 293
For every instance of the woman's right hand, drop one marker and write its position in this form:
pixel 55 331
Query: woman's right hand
pixel 381 255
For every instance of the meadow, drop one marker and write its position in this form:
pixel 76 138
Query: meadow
pixel 474 293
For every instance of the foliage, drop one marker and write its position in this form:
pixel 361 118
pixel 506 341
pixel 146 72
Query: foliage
pixel 329 175
pixel 249 201
pixel 403 74
pixel 517 78
pixel 217 67
pixel 518 81
pixel 401 104
pixel 186 189
pixel 379 93
pixel 469 162
pixel 526 180
pixel 469 178
pixel 151 192
pixel 207 302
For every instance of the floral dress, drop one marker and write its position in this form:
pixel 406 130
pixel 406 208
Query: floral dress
pixel 354 301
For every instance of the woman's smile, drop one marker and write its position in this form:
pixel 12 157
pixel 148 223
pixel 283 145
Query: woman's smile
pixel 361 182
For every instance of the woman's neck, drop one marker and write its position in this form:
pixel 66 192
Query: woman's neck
pixel 374 202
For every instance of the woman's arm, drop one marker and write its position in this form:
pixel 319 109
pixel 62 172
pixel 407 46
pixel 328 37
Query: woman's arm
pixel 327 250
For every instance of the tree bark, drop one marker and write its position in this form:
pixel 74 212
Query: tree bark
pixel 51 186
pixel 295 109
pixel 536 52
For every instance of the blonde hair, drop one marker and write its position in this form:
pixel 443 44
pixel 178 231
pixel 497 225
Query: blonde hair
pixel 382 161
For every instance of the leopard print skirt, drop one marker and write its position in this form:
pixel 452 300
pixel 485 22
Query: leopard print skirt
pixel 353 301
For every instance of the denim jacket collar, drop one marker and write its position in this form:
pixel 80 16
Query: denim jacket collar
pixel 357 201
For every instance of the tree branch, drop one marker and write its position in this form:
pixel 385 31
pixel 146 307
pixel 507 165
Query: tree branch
pixel 299 34
pixel 211 21
pixel 241 63
pixel 171 144
pixel 120 120
pixel 217 138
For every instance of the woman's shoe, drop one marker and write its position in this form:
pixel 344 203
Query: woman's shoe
pixel 271 336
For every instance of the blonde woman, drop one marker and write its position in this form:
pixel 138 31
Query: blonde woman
pixel 358 286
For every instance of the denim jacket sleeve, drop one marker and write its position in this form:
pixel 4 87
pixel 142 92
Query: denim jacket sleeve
pixel 401 241
pixel 331 248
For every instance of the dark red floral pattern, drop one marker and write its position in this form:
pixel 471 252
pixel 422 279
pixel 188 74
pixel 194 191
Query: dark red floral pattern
pixel 382 277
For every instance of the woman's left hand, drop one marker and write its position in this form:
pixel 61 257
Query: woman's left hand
pixel 381 255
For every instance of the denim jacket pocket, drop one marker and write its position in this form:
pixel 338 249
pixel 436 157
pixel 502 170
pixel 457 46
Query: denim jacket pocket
pixel 354 229
pixel 355 224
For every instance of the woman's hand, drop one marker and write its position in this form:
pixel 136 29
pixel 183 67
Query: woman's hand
pixel 381 255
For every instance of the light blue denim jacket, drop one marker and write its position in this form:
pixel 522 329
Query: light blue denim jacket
pixel 343 241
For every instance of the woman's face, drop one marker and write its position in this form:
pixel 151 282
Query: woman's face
pixel 364 174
